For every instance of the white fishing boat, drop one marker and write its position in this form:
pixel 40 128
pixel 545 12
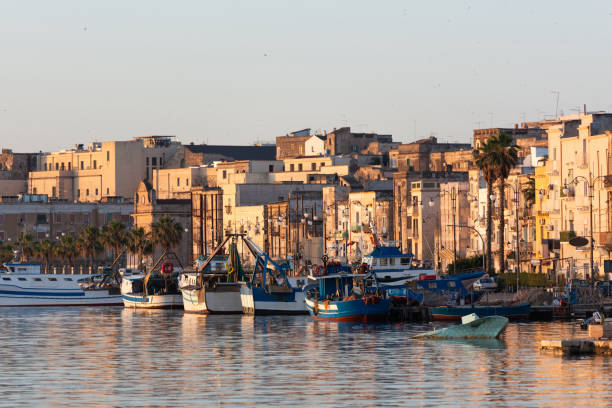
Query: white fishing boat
pixel 25 285
pixel 392 267
pixel 214 287
pixel 161 293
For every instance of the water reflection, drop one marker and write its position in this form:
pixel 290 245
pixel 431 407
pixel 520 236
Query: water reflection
pixel 122 357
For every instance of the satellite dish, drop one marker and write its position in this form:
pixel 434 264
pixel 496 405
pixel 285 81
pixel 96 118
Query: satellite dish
pixel 578 241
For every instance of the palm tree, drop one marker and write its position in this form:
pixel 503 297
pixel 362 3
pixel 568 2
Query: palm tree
pixel 46 249
pixel 166 232
pixel 68 249
pixel 6 253
pixel 483 157
pixel 26 247
pixel 504 159
pixel 114 236
pixel 139 242
pixel 529 192
pixel 89 243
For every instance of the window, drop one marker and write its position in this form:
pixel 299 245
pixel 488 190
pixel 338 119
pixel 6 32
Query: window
pixel 37 279
pixel 374 262
pixel 107 191
pixel 69 166
pixel 383 261
pixel 291 167
pixel 68 279
pixel 300 167
pixel 34 190
pixel 391 261
pixel 187 182
pixel 82 165
pixel 87 192
pixel 178 181
pixel 154 161
pixel 79 192
pixel 41 218
pixel 45 166
pixel 86 219
pixel 107 156
pixel 95 165
pixel 313 166
pixel 96 191
pixel 147 161
pixel 405 261
pixel 1 218
pixel 271 168
pixel 52 279
pixel 62 167
pixel 161 161
pixel 6 279
pixel 72 218
pixel 58 218
pixel 21 279
pixel 2 236
pixel 53 191
pixel 56 166
pixel 224 174
pixel 451 284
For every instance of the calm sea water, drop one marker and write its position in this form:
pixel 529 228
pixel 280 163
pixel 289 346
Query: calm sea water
pixel 120 357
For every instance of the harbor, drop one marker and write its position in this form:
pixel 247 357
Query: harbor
pixel 115 356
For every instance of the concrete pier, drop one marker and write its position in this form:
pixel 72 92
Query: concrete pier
pixel 577 346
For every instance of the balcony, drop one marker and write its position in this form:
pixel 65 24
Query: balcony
pixel 604 239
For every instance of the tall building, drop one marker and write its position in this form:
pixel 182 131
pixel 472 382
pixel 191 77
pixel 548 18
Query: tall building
pixel 102 170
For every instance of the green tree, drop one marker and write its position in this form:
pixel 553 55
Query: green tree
pixel 6 253
pixel 504 159
pixel 529 192
pixel 483 158
pixel 139 243
pixel 167 233
pixel 26 247
pixel 89 243
pixel 46 250
pixel 114 237
pixel 68 250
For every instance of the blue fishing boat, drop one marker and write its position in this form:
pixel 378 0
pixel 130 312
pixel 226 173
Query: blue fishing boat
pixel 347 298
pixel 269 291
pixel 457 312
pixel 392 267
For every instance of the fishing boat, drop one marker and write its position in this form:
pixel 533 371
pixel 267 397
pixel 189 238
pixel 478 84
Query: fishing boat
pixel 392 267
pixel 456 312
pixel 471 327
pixel 156 289
pixel 269 291
pixel 25 285
pixel 347 298
pixel 214 292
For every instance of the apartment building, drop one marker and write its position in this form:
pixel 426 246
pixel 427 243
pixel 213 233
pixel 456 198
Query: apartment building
pixel 103 169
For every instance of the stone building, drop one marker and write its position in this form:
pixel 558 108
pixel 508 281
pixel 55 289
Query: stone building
pixel 343 141
pixel 106 169
pixel 198 155
pixel 429 155
pixel 14 170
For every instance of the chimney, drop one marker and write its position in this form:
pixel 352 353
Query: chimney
pixel 585 108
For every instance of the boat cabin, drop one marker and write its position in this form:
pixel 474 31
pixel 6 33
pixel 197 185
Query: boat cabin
pixel 338 286
pixel 387 258
pixel 25 269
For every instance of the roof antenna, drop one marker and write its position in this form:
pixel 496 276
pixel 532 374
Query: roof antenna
pixel 557 93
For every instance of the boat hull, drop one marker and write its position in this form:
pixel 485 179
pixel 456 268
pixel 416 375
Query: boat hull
pixel 348 311
pixel 138 301
pixel 489 327
pixel 39 290
pixel 457 312
pixel 255 300
pixel 223 299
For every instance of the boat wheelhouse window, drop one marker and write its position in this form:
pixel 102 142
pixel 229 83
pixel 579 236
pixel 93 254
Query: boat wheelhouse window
pixel 391 261
pixel 374 262
pixel 451 284
pixel 433 285
pixel 21 279
pixel 68 279
pixel 52 279
pixel 405 261
pixel 383 261
pixel 37 279
pixel 6 278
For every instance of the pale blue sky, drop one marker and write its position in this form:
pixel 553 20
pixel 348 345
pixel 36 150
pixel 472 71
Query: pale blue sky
pixel 236 72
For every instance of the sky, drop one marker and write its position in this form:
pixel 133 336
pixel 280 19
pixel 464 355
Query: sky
pixel 242 72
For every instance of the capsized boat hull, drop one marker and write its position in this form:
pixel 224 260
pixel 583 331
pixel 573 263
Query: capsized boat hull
pixel 348 310
pixel 490 327
pixel 455 313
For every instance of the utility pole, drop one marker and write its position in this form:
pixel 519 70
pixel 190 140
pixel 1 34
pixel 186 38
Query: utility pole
pixel 454 201
pixel 518 249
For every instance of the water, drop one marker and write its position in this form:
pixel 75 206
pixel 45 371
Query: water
pixel 119 357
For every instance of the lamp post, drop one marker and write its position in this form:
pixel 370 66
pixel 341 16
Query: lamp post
pixel 590 181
